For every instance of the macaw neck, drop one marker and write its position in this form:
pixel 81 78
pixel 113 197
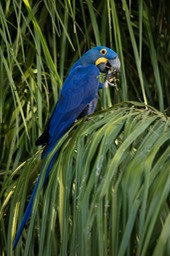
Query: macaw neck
pixel 83 61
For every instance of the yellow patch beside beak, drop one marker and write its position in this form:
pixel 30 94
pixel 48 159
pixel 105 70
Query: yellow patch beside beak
pixel 101 60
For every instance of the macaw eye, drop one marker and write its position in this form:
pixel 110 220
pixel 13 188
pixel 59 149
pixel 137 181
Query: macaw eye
pixel 103 51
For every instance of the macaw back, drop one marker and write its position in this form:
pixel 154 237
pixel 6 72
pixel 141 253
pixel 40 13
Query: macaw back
pixel 79 90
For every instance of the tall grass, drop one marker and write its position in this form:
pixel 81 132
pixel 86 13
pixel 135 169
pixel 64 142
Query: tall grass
pixel 109 188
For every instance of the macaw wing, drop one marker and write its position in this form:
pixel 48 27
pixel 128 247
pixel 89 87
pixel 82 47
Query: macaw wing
pixel 79 89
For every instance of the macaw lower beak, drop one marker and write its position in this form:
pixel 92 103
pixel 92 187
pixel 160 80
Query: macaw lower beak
pixel 105 65
pixel 110 68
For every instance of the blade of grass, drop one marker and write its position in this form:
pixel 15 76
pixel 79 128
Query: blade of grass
pixel 135 50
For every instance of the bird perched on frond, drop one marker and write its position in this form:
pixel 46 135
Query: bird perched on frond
pixel 77 98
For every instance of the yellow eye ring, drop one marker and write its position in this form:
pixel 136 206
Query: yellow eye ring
pixel 103 51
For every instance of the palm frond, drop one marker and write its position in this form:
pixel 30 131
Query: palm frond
pixel 108 190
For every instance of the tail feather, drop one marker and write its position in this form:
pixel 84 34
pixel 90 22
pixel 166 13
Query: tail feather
pixel 28 210
pixel 27 214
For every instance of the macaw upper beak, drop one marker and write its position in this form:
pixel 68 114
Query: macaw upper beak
pixel 104 65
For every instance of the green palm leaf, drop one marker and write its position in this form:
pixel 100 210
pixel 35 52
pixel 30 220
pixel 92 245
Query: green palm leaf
pixel 107 192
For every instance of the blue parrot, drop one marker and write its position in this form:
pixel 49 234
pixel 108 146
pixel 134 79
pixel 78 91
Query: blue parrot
pixel 77 98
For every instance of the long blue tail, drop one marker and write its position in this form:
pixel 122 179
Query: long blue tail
pixel 28 210
pixel 27 214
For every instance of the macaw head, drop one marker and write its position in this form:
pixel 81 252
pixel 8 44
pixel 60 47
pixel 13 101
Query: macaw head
pixel 104 58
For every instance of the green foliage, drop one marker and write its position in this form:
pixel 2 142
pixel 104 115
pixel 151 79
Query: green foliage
pixel 109 189
pixel 107 192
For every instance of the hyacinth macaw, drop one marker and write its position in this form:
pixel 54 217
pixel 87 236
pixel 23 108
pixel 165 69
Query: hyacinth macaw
pixel 78 98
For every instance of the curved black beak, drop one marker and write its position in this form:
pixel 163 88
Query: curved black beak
pixel 109 65
pixel 110 68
